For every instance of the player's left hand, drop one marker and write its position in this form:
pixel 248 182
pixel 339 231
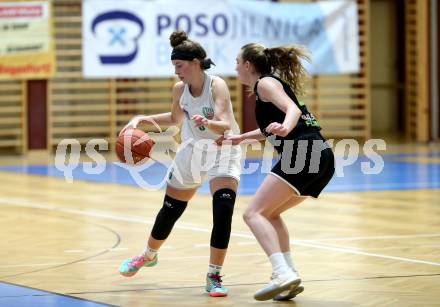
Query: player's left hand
pixel 200 120
pixel 277 129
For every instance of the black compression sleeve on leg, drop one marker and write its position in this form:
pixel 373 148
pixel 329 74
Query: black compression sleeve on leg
pixel 170 212
pixel 223 202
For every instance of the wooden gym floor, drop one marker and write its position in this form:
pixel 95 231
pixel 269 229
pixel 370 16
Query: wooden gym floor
pixel 373 240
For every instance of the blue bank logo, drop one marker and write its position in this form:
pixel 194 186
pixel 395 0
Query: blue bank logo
pixel 122 31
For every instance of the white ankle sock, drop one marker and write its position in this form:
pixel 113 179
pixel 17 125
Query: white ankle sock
pixel 214 269
pixel 149 253
pixel 289 261
pixel 288 258
pixel 279 265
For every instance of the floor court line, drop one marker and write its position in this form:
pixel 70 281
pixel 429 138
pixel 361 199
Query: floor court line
pixel 428 235
pixel 27 204
pixel 255 283
pixel 117 262
pixel 107 292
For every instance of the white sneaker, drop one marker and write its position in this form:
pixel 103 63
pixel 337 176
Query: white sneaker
pixel 289 293
pixel 279 283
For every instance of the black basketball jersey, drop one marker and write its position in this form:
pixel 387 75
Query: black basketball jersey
pixel 267 112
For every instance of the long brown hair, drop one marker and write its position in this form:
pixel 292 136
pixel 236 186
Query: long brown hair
pixel 284 61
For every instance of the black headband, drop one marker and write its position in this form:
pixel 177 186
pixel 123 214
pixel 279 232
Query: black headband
pixel 189 56
pixel 183 55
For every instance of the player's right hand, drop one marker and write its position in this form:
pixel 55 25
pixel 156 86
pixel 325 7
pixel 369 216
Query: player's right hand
pixel 132 124
pixel 229 139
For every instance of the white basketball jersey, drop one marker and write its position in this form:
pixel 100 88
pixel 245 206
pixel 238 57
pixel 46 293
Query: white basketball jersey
pixel 202 105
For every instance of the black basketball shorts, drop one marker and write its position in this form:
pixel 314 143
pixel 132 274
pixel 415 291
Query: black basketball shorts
pixel 307 164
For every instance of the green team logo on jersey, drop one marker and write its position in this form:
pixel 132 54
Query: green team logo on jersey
pixel 208 112
pixel 310 120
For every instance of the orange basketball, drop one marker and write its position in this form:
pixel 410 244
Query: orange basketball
pixel 133 146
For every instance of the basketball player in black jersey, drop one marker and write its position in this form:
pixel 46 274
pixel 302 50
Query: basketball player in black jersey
pixel 306 163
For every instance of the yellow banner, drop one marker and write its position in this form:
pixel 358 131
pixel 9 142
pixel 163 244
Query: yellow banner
pixel 26 40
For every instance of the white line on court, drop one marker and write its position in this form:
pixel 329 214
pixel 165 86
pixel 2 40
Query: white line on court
pixel 201 245
pixel 116 262
pixel 28 204
pixel 358 252
pixel 247 243
pixel 429 235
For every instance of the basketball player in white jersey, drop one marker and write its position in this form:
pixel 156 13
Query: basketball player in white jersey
pixel 202 104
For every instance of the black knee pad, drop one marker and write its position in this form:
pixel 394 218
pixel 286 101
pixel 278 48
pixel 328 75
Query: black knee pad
pixel 170 212
pixel 222 209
